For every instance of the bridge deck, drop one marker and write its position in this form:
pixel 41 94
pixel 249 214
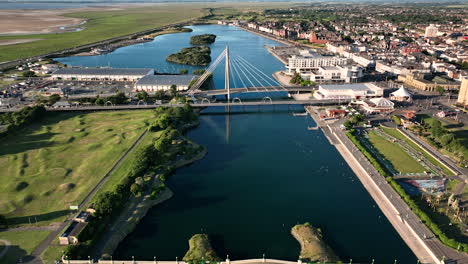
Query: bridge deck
pixel 254 90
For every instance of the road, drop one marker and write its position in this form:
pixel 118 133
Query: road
pixel 462 172
pixel 202 104
pixel 418 237
pixel 36 254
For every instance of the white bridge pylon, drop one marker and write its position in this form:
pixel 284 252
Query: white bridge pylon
pixel 238 69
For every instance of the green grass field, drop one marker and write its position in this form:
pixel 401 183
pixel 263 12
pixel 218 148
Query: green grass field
pixel 22 244
pixel 399 159
pixel 396 134
pixel 55 163
pixel 101 25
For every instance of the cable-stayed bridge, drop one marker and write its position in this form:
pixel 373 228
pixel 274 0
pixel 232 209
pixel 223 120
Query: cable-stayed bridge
pixel 243 75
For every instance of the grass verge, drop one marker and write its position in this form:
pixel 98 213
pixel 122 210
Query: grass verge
pixel 22 244
pixel 397 134
pixel 54 163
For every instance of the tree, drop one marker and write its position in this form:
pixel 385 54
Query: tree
pixel 440 89
pixel 446 139
pixel 173 90
pixel 436 129
pixel 99 101
pixel 199 72
pixel 119 98
pixel 159 94
pixel 136 189
pixel 162 145
pixel 29 74
pixel 183 71
pixel 53 99
pixel 143 95
pixel 163 121
pixel 3 221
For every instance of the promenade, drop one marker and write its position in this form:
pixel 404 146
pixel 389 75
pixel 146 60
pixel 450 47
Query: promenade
pixel 417 236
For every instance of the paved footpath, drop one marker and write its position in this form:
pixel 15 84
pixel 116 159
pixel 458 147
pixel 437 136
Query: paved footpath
pixel 419 238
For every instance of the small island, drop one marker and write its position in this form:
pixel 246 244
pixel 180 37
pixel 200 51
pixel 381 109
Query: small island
pixel 200 249
pixel 313 249
pixel 196 56
pixel 202 39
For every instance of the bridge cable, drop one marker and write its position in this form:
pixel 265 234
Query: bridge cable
pixel 257 72
pixel 235 67
pixel 269 77
pixel 207 72
pixel 231 73
pixel 246 76
pixel 260 84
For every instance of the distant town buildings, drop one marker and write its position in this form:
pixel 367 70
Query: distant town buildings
pixel 463 94
pixel 101 74
pixel 431 31
pixel 308 61
pixel 334 74
pixel 428 82
pixel 348 91
pixel 152 83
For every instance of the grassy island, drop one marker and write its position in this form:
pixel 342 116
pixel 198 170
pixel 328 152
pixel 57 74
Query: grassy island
pixel 198 56
pixel 312 247
pixel 202 39
pixel 200 249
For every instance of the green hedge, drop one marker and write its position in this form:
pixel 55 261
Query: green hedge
pixel 366 153
pixel 110 204
pixel 426 219
pixel 414 207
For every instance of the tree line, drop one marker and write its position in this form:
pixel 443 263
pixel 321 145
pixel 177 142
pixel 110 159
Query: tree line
pixel 17 120
pixel 151 158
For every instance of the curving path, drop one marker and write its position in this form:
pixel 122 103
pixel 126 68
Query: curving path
pixel 5 250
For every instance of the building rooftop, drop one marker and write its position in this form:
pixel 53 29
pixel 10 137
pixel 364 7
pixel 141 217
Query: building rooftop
pixel 103 71
pixel 166 80
pixel 352 86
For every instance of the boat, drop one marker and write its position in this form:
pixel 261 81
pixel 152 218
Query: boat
pixel 313 128
pixel 300 114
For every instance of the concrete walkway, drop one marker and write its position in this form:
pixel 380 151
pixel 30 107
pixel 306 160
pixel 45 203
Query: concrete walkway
pixel 418 237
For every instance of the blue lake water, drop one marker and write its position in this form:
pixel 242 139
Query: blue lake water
pixel 264 173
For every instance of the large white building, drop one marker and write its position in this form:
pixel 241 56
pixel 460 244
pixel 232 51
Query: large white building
pixel 152 83
pixel 431 31
pixel 101 74
pixel 308 61
pixel 334 74
pixel 348 91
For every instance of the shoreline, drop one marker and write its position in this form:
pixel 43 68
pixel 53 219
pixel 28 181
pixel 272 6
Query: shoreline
pixel 143 204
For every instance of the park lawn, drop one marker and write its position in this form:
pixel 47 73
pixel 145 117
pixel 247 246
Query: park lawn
pixel 52 253
pixel 396 134
pixel 101 25
pixel 54 163
pixel 22 244
pixel 124 168
pixel 399 159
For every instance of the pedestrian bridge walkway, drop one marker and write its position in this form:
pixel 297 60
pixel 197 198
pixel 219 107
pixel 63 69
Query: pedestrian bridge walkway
pixel 155 261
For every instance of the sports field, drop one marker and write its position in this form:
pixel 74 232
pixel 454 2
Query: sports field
pixel 399 159
pixel 55 163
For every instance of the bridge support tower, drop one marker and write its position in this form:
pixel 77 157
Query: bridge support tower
pixel 226 75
